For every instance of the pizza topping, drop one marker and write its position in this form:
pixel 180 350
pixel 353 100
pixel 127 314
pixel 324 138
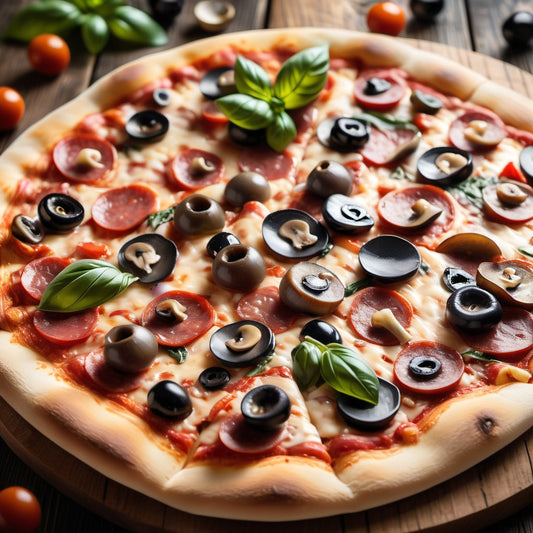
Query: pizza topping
pixel 473 309
pixel 510 281
pixel 424 214
pixel 311 288
pixel 147 125
pixel 171 310
pixel 511 374
pixel 38 274
pixel 294 234
pixel 130 348
pixel 321 331
pixel 198 214
pixel 503 202
pixel 470 245
pixel 344 215
pixel 242 343
pixel 343 134
pixel 364 415
pixel 90 157
pixel 194 169
pixel 425 102
pixel 526 162
pixel 66 328
pixel 510 193
pixel 247 187
pixel 476 131
pixel 383 100
pixel 218 82
pixel 239 268
pixel 376 86
pixel 384 318
pixel 377 255
pixel 456 278
pixel 161 97
pixel 27 229
pixel 329 177
pixel 214 378
pixel 427 367
pixel 150 257
pixel 169 399
pixel 245 137
pixel 219 241
pixel 266 407
pixel 445 165
pixel 60 212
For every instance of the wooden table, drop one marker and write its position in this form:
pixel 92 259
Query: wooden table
pixel 465 25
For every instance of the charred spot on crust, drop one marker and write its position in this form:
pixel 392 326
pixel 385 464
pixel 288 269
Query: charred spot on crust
pixel 486 424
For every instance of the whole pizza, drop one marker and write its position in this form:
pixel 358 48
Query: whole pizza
pixel 274 275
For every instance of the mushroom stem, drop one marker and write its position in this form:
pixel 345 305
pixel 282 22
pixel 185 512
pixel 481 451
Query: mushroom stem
pixel 89 157
pixel 385 319
pixel 171 310
pixel 200 165
pixel 508 374
pixel 246 337
pixel 298 232
pixel 424 213
pixel 142 255
pixel 509 278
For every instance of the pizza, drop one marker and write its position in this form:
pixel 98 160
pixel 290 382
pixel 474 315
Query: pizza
pixel 274 275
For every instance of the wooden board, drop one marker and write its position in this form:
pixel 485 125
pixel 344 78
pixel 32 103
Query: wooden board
pixel 492 490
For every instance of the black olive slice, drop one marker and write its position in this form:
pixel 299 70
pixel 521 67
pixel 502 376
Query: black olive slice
pixel 445 165
pixel 425 103
pixel 213 86
pixel 169 399
pixel 389 258
pixel 375 86
pixel 60 213
pixel 234 335
pixel 344 215
pixel 526 162
pixel 311 231
pixel 517 29
pixel 422 367
pixel 456 278
pixel 198 214
pixel 27 229
pixel 321 331
pixel 246 187
pixel 266 407
pixel 161 97
pixel 343 134
pixel 366 416
pixel 214 378
pixel 150 257
pixel 147 125
pixel 219 241
pixel 245 137
pixel 473 309
pixel 426 9
pixel 329 177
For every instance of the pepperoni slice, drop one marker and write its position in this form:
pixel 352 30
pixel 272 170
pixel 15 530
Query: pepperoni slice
pixel 187 169
pixel 200 317
pixel 124 208
pixel 239 436
pixel 108 378
pixel 506 213
pixel 385 100
pixel 66 328
pixel 493 131
pixel 265 305
pixel 66 157
pixel 272 165
pixel 384 146
pixel 395 209
pixel 366 302
pixel 509 340
pixel 37 274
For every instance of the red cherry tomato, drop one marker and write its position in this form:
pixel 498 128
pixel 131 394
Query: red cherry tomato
pixel 11 108
pixel 386 17
pixel 20 511
pixel 49 54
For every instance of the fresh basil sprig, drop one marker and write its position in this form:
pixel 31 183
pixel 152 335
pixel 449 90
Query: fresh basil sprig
pixel 259 104
pixel 97 19
pixel 338 365
pixel 84 284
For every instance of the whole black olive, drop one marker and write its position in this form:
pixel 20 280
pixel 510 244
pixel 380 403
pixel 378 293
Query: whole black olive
pixel 518 29
pixel 130 348
pixel 245 137
pixel 198 214
pixel 342 214
pixel 60 212
pixel 456 278
pixel 219 241
pixel 343 133
pixel 266 407
pixel 218 82
pixel 329 177
pixel 147 125
pixel 246 187
pixel 426 9
pixel 422 367
pixel 321 331
pixel 169 399
pixel 27 229
pixel 214 378
pixel 473 309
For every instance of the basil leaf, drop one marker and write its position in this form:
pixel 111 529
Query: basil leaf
pixel 84 284
pixel 325 251
pixel 252 80
pixel 105 8
pixel 386 122
pixel 348 373
pixel 246 111
pixel 481 356
pixel 52 16
pixel 131 24
pixel 357 286
pixel 161 217
pixel 471 189
pixel 260 366
pixel 281 132
pixel 526 250
pixel 302 77
pixel 179 353
pixel 95 33
pixel 306 364
pixel 424 267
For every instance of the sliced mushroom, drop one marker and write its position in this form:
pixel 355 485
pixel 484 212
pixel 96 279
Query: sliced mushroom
pixel 424 214
pixel 171 310
pixel 27 229
pixel 470 244
pixel 385 319
pixel 245 338
pixel 142 255
pixel 199 165
pixel 449 162
pixel 90 157
pixel 510 374
pixel 214 15
pixel 298 232
pixel 510 193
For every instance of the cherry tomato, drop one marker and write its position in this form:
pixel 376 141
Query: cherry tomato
pixel 11 108
pixel 20 511
pixel 48 54
pixel 386 17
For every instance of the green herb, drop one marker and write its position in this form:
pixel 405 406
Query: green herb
pixel 260 366
pixel 424 267
pixel 97 19
pixel 325 251
pixel 526 250
pixel 338 365
pixel 160 217
pixel 260 105
pixel 399 174
pixel 472 189
pixel 476 354
pixel 179 353
pixel 386 122
pixel 84 284
pixel 356 286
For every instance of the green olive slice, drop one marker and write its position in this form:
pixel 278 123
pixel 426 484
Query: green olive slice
pixel 425 103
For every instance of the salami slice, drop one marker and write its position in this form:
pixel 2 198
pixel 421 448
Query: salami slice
pixel 66 328
pixel 194 169
pixel 199 317
pixel 366 302
pixel 124 208
pixel 386 145
pixel 85 158
pixel 272 165
pixel 37 274
pixel 492 131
